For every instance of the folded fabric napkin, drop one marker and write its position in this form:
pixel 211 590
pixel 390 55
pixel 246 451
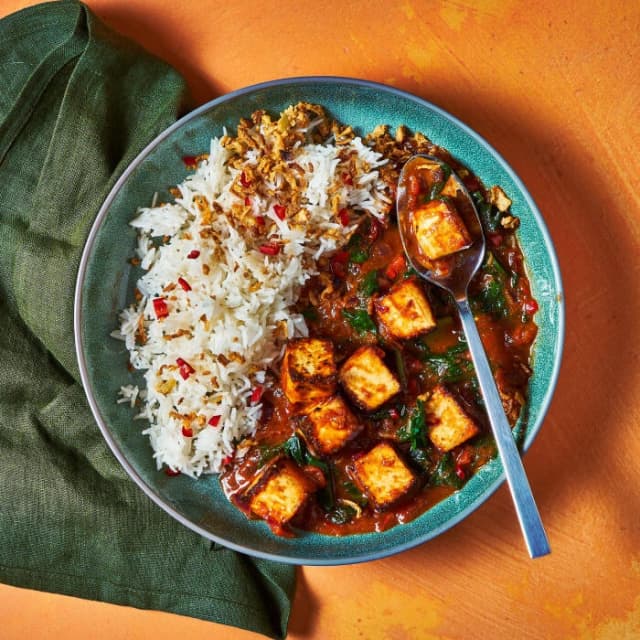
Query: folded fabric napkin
pixel 77 104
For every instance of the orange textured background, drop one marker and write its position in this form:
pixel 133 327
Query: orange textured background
pixel 555 86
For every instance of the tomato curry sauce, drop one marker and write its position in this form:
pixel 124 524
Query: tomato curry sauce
pixel 338 490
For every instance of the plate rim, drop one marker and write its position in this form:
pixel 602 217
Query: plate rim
pixel 78 318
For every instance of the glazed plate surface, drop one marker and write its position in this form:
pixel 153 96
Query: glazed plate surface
pixel 106 281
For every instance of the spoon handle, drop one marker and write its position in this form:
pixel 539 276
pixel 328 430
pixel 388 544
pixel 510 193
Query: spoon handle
pixel 530 522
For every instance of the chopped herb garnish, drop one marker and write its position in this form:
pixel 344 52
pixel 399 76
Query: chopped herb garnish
pixel 369 284
pixel 310 313
pixel 451 366
pixel 415 431
pixel 444 475
pixel 401 369
pixel 357 252
pixel 489 215
pixel 409 273
pixel 354 493
pixel 359 320
pixel 491 297
pixel 421 458
pixel 293 447
pixel 358 255
pixel 342 514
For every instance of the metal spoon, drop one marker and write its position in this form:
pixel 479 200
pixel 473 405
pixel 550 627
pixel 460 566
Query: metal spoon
pixel 454 273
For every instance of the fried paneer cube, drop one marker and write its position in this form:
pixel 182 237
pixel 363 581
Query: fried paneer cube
pixel 382 476
pixel 439 229
pixel 328 426
pixel 366 378
pixel 280 491
pixel 450 188
pixel 308 373
pixel 405 311
pixel 449 423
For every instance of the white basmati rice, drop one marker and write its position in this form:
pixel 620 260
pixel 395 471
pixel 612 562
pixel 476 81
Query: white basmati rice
pixel 231 325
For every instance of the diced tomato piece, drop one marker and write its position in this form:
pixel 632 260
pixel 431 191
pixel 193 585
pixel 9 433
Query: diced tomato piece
pixel 214 421
pixel 460 472
pixel 339 263
pixel 247 201
pixel 187 432
pixel 530 306
pixel 261 221
pixel 244 181
pixel 160 307
pixel 341 256
pixel 343 216
pixel 524 334
pixel 347 178
pixel 172 473
pixel 256 395
pixel 495 239
pixel 193 254
pixel 280 211
pixel 396 267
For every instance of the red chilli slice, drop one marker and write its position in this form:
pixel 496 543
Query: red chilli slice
pixel 184 284
pixel 256 395
pixel 269 249
pixel 172 473
pixel 214 421
pixel 243 180
pixel 187 432
pixel 191 162
pixel 280 211
pixel 192 255
pixel 160 308
pixel 343 216
pixel 185 368
pixel 261 221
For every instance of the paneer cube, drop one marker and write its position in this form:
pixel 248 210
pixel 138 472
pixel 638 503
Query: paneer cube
pixel 439 229
pixel 449 423
pixel 308 373
pixel 279 492
pixel 405 311
pixel 366 378
pixel 328 426
pixel 450 188
pixel 382 476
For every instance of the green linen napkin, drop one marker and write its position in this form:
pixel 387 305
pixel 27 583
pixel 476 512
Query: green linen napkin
pixel 77 103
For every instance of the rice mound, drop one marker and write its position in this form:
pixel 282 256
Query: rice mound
pixel 227 260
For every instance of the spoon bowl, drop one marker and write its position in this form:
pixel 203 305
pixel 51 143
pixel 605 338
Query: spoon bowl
pixel 448 203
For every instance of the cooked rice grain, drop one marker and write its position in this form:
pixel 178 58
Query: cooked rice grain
pixel 230 308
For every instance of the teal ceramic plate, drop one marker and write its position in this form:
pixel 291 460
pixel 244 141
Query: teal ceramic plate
pixel 106 279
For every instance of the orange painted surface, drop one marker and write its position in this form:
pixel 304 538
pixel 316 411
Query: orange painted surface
pixel 555 86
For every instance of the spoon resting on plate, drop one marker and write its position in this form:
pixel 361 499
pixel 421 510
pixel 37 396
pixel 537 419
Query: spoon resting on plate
pixel 444 242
